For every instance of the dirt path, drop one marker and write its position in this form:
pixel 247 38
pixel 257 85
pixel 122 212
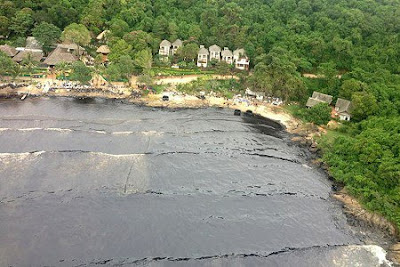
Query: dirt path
pixel 173 80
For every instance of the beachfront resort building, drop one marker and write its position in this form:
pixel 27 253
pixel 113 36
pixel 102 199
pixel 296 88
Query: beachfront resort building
pixel 215 52
pixel 241 60
pixel 165 48
pixel 227 55
pixel 202 57
pixel 317 98
pixel 175 46
pixel 343 109
pixel 64 53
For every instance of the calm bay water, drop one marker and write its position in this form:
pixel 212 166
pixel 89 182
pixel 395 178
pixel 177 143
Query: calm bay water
pixel 84 183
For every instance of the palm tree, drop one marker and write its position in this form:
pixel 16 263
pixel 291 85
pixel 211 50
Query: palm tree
pixel 28 64
pixel 62 68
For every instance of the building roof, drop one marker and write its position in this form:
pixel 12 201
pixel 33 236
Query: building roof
pixel 226 52
pixel 104 49
pixel 177 42
pixel 313 101
pixel 102 35
pixel 239 52
pixel 203 51
pixel 215 48
pixel 71 46
pixel 8 50
pixel 32 43
pixel 323 97
pixel 165 43
pixel 36 56
pixel 59 55
pixel 343 105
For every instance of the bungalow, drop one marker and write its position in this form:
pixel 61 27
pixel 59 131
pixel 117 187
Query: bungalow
pixel 104 50
pixel 165 47
pixel 227 55
pixel 32 49
pixel 215 52
pixel 175 45
pixel 202 57
pixel 343 109
pixel 34 55
pixel 241 60
pixel 8 50
pixel 64 53
pixel 317 98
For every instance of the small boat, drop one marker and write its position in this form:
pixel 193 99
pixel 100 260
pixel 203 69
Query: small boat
pixel 237 112
pixel 24 96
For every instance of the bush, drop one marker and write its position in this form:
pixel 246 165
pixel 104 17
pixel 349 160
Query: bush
pixel 319 114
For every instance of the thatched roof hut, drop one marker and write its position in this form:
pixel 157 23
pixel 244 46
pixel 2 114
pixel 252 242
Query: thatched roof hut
pixel 103 49
pixel 36 56
pixel 8 50
pixel 59 55
pixel 102 35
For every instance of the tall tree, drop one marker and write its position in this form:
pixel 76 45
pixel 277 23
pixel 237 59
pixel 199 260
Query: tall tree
pixel 144 59
pixel 47 34
pixel 76 33
pixel 29 64
pixel 22 22
pixel 80 72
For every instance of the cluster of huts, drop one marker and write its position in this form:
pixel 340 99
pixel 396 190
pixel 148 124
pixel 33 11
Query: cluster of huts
pixel 62 53
pixel 238 57
pixel 342 108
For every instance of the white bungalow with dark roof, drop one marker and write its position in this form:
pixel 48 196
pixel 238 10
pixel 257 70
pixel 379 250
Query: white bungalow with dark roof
pixel 343 109
pixel 175 46
pixel 165 47
pixel 215 52
pixel 227 55
pixel 241 60
pixel 202 57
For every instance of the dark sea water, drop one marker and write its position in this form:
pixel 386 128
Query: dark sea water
pixel 95 182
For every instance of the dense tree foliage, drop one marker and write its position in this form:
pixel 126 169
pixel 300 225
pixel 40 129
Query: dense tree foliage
pixel 47 34
pixel 367 159
pixel 350 33
pixel 8 66
pixel 80 72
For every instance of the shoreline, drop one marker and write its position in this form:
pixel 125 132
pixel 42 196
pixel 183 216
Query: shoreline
pixel 302 135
